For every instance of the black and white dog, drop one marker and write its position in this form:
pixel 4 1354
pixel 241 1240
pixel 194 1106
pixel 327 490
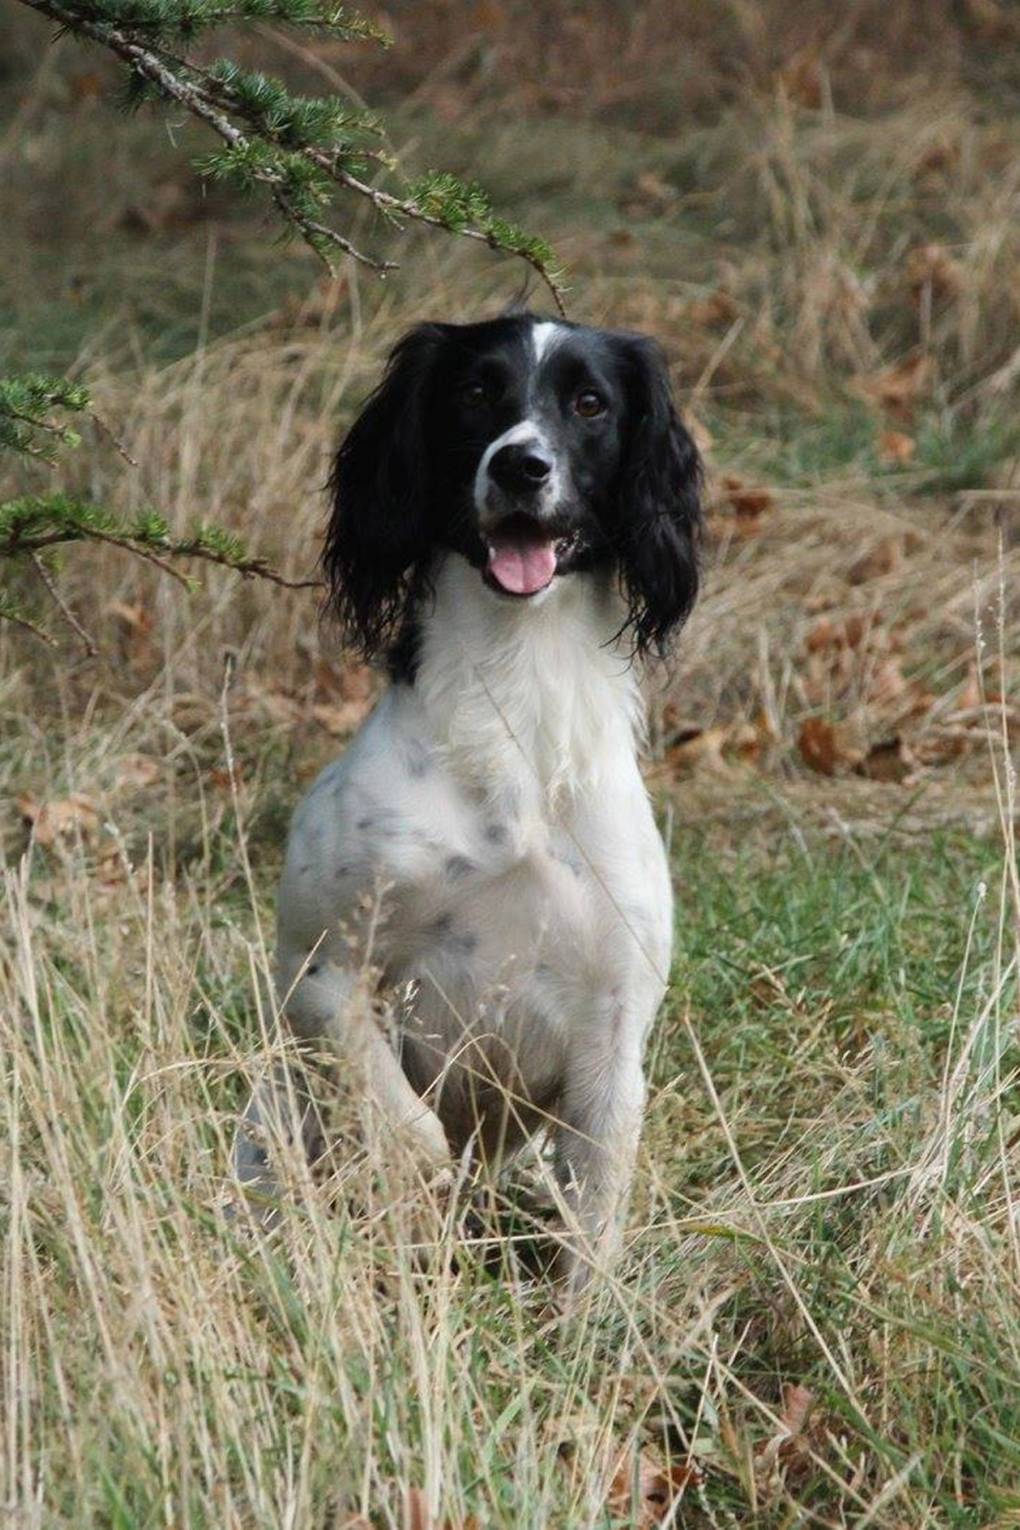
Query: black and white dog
pixel 515 521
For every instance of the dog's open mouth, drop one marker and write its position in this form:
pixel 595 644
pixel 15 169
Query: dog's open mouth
pixel 523 557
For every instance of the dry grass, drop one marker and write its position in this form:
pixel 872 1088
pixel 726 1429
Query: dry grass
pixel 826 1199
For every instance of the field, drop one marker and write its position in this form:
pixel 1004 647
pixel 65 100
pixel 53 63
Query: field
pixel 817 1317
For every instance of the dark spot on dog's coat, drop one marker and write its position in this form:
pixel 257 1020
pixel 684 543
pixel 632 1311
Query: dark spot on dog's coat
pixel 419 762
pixel 496 833
pixel 458 866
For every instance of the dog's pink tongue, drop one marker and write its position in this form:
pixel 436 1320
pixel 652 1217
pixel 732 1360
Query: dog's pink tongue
pixel 522 562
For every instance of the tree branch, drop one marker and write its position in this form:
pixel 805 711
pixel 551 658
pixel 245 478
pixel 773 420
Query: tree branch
pixel 205 101
pixel 61 604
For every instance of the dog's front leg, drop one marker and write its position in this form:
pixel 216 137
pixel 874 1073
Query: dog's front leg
pixel 596 1138
pixel 331 1007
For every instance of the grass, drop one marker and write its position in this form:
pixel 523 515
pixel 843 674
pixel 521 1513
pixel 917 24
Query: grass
pixel 837 1219
pixel 818 1304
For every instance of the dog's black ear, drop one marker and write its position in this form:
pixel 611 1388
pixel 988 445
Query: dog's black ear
pixel 380 530
pixel 658 513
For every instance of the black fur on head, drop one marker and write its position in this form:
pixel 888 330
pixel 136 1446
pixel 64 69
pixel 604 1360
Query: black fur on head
pixel 538 452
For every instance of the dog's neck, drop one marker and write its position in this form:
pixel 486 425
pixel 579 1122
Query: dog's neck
pixel 532 699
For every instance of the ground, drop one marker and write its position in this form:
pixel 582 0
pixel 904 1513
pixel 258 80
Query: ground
pixel 816 1318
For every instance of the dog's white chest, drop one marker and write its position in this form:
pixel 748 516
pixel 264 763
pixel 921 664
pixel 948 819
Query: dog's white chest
pixel 486 846
pixel 495 912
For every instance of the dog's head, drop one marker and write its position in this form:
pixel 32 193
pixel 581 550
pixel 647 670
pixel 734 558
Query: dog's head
pixel 538 451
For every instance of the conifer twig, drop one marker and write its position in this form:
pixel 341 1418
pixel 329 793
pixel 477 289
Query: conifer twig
pixel 19 619
pixel 72 621
pixel 288 160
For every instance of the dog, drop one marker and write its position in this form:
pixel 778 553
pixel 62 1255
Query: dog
pixel 515 528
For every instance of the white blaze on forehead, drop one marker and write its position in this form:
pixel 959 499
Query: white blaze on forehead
pixel 543 337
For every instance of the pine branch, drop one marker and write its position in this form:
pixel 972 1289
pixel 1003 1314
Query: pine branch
pixel 301 150
pixel 10 612
pixel 50 586
pixel 26 403
pixel 31 524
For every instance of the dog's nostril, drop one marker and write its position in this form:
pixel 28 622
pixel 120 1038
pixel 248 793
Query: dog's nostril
pixel 519 468
pixel 537 469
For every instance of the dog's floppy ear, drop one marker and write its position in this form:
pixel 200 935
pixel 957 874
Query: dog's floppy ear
pixel 659 503
pixel 380 532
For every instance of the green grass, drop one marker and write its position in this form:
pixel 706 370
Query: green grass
pixel 862 1250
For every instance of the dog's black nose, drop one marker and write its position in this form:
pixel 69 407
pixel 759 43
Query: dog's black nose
pixel 520 469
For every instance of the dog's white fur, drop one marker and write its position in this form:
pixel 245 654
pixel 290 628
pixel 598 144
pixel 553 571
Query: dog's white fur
pixel 497 809
pixel 486 849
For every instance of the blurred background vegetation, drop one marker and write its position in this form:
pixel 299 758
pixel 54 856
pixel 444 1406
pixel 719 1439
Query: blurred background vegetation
pixel 814 209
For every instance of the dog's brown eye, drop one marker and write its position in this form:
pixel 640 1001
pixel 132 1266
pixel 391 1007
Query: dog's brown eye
pixel 473 394
pixel 589 404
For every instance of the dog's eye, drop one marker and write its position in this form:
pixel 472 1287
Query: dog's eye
pixel 589 404
pixel 473 394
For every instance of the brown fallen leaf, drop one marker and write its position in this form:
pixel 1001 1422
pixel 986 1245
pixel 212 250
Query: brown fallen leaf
pixel 824 634
pixel 708 749
pixel 861 628
pixel 939 160
pixel 857 630
pixel 883 558
pixel 898 388
pixel 698 749
pixel 830 749
pixel 643 1489
pixel 54 822
pixel 801 78
pixel 111 870
pixel 715 311
pixel 416 1510
pixel 942 747
pixel 896 448
pixel 797 1404
pixel 817 744
pixel 417 1516
pixel 746 501
pixel 222 780
pixel 891 760
pixel 789 1439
